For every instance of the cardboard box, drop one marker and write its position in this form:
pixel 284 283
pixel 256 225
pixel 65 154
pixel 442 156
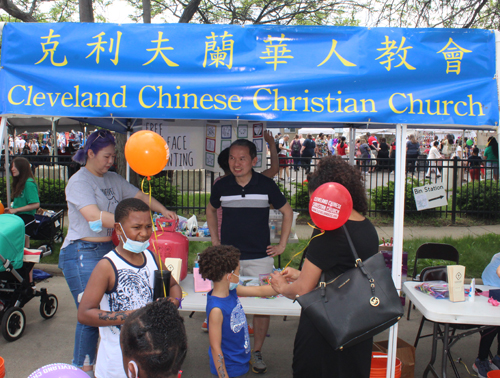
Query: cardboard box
pixel 456 275
pixel 174 265
pixel 405 352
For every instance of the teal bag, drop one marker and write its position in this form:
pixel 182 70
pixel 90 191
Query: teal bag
pixel 12 240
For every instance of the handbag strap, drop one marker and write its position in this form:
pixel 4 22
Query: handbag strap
pixel 359 262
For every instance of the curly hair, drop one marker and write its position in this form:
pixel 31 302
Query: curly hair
pixel 336 169
pixel 154 337
pixel 217 261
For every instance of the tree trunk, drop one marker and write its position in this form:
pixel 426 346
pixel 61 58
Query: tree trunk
pixel 189 11
pixel 11 8
pixel 146 11
pixel 86 11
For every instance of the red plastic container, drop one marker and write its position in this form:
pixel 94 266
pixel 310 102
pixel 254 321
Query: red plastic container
pixel 170 243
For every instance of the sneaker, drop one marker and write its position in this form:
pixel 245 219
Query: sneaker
pixel 481 368
pixel 258 364
pixel 495 363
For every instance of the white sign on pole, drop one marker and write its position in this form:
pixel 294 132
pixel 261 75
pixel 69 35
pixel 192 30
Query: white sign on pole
pixel 183 142
pixel 430 196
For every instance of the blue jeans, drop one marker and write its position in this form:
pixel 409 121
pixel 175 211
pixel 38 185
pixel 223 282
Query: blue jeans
pixel 77 261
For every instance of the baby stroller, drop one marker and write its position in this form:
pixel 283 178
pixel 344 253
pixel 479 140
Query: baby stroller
pixel 47 227
pixel 16 263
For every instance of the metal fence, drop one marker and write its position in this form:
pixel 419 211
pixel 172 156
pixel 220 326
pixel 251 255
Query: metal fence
pixel 470 192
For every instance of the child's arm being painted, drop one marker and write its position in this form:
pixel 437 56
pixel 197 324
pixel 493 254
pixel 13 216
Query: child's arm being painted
pixel 215 337
pixel 255 291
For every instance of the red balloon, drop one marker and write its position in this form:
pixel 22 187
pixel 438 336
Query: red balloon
pixel 114 238
pixel 330 206
pixel 2 209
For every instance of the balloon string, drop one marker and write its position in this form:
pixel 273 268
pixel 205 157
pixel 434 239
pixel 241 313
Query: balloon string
pixel 307 245
pixel 157 254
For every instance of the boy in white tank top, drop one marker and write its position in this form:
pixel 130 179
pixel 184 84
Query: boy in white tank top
pixel 122 282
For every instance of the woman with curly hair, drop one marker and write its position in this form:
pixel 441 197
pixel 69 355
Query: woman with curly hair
pixel 229 350
pixel 330 253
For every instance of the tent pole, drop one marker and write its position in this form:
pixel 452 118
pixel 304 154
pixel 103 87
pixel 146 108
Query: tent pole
pixel 352 144
pixel 397 247
pixel 54 138
pixel 3 125
pixel 3 128
pixel 497 65
pixel 127 173
pixel 15 144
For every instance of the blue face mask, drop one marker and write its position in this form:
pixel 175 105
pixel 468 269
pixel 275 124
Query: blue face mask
pixel 233 285
pixel 132 245
pixel 96 226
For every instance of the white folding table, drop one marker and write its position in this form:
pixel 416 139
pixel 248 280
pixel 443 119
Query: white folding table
pixel 445 313
pixel 260 306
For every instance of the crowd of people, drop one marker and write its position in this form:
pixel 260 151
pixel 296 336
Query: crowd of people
pixel 299 152
pixel 113 285
pixel 122 331
pixel 374 155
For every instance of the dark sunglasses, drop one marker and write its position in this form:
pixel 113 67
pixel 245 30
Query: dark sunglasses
pixel 100 134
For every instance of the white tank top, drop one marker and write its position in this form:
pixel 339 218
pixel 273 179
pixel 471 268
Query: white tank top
pixel 133 289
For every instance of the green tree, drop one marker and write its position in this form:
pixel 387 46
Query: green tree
pixel 288 12
pixel 434 13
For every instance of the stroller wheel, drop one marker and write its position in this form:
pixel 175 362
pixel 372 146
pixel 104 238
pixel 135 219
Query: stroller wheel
pixel 13 323
pixel 48 306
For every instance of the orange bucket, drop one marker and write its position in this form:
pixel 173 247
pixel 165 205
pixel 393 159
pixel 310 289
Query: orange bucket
pixel 378 368
pixel 491 374
pixel 2 368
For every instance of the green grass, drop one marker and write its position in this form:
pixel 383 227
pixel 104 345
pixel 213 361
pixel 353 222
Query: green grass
pixel 475 252
pixel 189 201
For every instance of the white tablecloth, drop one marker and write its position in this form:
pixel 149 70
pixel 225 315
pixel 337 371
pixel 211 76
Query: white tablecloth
pixel 261 306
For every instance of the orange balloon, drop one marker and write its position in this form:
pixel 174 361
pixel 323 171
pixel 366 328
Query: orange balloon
pixel 1 208
pixel 147 153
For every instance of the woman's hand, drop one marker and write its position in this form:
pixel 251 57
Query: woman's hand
pixel 278 282
pixel 290 274
pixel 170 215
pixel 10 210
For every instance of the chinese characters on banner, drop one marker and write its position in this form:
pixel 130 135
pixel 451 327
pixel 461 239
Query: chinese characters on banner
pixel 311 74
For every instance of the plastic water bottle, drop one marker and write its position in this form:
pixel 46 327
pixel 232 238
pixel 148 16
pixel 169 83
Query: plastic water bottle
pixel 273 229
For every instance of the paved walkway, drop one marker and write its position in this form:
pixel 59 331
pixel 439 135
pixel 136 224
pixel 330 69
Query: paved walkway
pixel 304 231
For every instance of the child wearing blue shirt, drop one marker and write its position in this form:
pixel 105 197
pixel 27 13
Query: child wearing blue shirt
pixel 229 350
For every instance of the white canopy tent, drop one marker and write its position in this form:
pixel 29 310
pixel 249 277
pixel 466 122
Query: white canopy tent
pixel 126 125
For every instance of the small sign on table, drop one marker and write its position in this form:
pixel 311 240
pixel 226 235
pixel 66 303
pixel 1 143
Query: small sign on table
pixel 430 196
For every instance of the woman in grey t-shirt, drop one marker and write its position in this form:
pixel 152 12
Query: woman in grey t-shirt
pixel 92 195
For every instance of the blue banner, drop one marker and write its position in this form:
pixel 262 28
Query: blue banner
pixel 278 73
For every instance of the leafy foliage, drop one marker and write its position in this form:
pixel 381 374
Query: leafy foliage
pixel 383 198
pixel 300 199
pixel 481 198
pixel 434 13
pixel 163 191
pixel 50 191
pixel 244 12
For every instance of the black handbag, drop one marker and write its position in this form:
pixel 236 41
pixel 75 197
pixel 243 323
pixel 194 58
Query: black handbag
pixel 356 305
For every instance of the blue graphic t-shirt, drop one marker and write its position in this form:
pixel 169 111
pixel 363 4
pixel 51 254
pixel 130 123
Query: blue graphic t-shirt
pixel 490 276
pixel 235 343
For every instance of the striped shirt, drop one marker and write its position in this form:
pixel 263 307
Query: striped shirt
pixel 245 210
